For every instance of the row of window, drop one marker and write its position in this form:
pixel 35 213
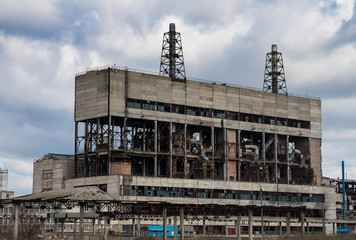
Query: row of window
pixel 220 193
pixel 214 113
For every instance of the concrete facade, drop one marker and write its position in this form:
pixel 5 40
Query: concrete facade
pixel 50 172
pixel 145 138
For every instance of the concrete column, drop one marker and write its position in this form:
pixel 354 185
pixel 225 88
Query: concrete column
pixel 164 216
pixel 287 157
pixel 288 224
pixel 263 146
pixel 302 222
pixel 81 223
pixel 62 227
pixel 43 226
pixel 181 212
pixel 185 151
pixel 156 150
pixel 16 222
pixel 324 228
pixel 75 229
pixel 93 225
pixel 238 228
pixel 55 226
pixel 133 227
pixel 225 152
pixel 175 227
pixel 276 155
pixel 308 228
pixel 105 228
pixel 212 152
pixel 170 150
pixel 262 223
pixel 280 228
pixel 144 138
pixel 333 228
pixel 204 227
pixel 125 135
pixel 238 145
pixel 250 225
pixel 138 234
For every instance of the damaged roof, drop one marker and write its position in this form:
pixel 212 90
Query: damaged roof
pixel 82 194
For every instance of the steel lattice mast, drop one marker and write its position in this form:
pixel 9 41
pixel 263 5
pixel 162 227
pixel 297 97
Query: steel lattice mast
pixel 274 80
pixel 172 62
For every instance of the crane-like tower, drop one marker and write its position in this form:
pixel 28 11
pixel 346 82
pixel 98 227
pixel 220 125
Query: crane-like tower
pixel 172 62
pixel 274 80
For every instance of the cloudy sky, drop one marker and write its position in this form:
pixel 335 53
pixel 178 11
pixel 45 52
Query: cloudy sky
pixel 43 43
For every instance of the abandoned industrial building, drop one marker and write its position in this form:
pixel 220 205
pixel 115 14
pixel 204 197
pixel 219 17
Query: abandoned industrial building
pixel 165 146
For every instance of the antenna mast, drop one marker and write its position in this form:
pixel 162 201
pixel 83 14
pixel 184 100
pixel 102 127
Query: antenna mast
pixel 274 80
pixel 172 62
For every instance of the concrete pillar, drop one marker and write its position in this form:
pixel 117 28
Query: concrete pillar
pixel 105 228
pixel 170 150
pixel 324 228
pixel 204 227
pixel 225 151
pixel 333 228
pixel 280 228
pixel 81 223
pixel 125 135
pixel 181 212
pixel 75 229
pixel 238 228
pixel 164 216
pixel 156 150
pixel 287 157
pixel 133 227
pixel 144 138
pixel 302 222
pixel 212 151
pixel 55 225
pixel 308 228
pixel 185 151
pixel 62 227
pixel 276 156
pixel 175 227
pixel 288 224
pixel 94 226
pixel 16 222
pixel 262 223
pixel 138 226
pixel 264 146
pixel 43 226
pixel 250 225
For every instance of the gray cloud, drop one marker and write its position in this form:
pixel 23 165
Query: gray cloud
pixel 225 41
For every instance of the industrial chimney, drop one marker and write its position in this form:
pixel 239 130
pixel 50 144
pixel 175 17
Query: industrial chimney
pixel 172 62
pixel 274 80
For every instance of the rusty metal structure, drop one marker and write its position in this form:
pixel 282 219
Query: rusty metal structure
pixel 172 61
pixel 274 80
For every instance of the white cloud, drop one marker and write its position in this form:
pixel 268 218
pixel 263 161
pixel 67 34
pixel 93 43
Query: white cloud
pixel 335 66
pixel 341 107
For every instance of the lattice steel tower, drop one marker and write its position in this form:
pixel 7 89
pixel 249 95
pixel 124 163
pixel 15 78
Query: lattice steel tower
pixel 274 80
pixel 172 62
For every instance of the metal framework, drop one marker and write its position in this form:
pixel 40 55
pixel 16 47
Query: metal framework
pixel 172 62
pixel 105 207
pixel 274 79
